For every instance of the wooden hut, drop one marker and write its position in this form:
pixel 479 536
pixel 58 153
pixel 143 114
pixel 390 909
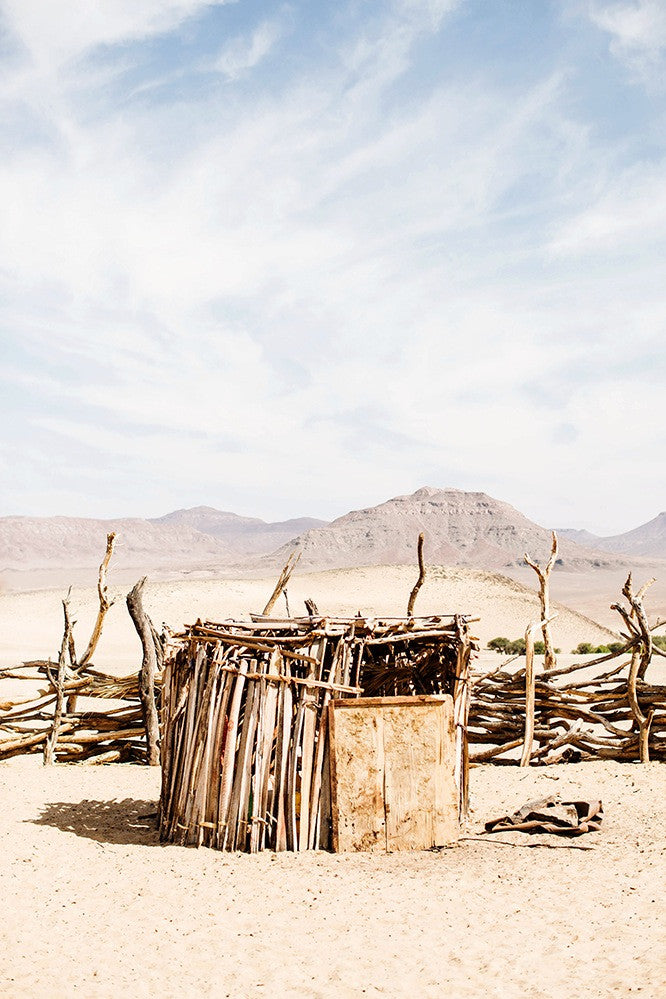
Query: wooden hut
pixel 245 719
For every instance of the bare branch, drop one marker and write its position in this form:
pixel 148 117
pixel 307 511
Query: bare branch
pixel 544 599
pixel 104 602
pixel 419 582
pixel 59 684
pixel 283 579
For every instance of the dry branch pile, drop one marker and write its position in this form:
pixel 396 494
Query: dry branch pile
pixel 245 740
pixel 98 735
pixel 49 722
pixel 573 715
pixel 567 713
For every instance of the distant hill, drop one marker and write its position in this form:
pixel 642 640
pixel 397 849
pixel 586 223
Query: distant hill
pixel 186 539
pixel 44 542
pixel 585 538
pixel 242 535
pixel 647 541
pixel 461 528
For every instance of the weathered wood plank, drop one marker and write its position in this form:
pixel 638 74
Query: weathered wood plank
pixel 392 773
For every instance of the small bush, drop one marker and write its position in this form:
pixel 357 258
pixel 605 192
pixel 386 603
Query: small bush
pixel 516 646
pixel 587 649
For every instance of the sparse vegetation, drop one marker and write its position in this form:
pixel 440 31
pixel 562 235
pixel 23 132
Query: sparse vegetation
pixel 516 647
pixel 588 649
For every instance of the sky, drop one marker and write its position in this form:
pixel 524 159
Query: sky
pixel 296 258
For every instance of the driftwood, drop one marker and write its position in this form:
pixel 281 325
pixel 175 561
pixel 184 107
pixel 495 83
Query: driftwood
pixel 530 690
pixel 152 662
pixel 104 602
pixel 638 627
pixel 281 584
pixel 59 683
pixel 49 722
pixel 29 724
pixel 543 575
pixel 419 582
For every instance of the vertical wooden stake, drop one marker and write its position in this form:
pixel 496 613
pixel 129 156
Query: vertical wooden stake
pixel 59 684
pixel 530 687
pixel 283 579
pixel 544 599
pixel 419 582
pixel 147 634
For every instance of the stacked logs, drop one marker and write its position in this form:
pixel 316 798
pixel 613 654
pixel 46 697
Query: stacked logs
pixel 575 717
pixel 245 721
pixel 566 713
pixel 99 735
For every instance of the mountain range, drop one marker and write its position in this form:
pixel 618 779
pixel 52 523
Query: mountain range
pixel 648 540
pixel 461 528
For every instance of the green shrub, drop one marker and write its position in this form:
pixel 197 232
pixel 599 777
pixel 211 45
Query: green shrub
pixel 587 649
pixel 516 646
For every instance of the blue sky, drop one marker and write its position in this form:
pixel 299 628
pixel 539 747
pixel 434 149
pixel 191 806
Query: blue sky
pixel 293 258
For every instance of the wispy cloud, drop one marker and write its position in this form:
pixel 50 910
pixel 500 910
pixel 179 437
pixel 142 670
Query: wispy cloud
pixel 360 256
pixel 245 52
pixel 52 34
pixel 638 33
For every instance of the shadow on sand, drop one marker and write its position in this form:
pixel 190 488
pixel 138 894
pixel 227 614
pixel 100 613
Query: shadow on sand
pixel 129 822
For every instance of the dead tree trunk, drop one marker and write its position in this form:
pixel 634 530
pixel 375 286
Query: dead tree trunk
pixel 151 650
pixel 639 629
pixel 544 599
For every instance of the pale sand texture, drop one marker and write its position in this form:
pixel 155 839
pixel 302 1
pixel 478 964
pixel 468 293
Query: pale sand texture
pixel 31 622
pixel 95 907
pixel 593 591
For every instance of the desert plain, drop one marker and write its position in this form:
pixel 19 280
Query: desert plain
pixel 97 907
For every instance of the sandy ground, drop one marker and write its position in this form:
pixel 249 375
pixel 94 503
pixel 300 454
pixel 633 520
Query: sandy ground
pixel 94 906
pixel 31 621
pixel 592 592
